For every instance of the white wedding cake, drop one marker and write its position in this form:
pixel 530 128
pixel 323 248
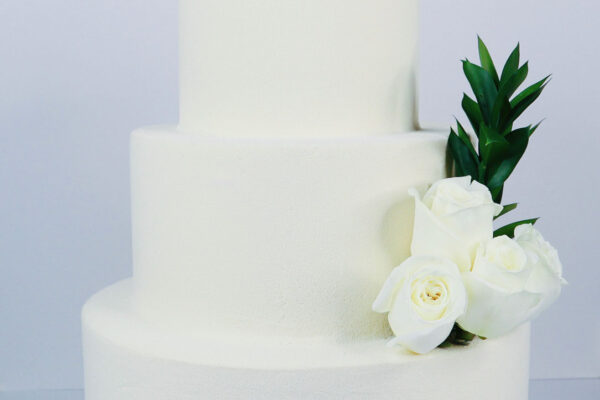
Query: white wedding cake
pixel 265 224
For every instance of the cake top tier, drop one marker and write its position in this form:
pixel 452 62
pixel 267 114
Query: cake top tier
pixel 297 68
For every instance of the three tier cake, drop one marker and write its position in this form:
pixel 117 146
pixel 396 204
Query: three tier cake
pixel 266 222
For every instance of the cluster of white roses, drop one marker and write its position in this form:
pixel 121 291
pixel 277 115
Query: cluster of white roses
pixel 459 273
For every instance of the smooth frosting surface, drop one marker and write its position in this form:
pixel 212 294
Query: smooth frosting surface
pixel 275 237
pixel 298 68
pixel 265 225
pixel 127 358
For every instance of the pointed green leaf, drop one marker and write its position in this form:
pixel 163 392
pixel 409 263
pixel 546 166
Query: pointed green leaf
pixel 512 64
pixel 509 230
pixel 497 194
pixel 473 112
pixel 502 112
pixel 466 139
pixel 509 86
pixel 465 163
pixel 499 171
pixel 534 128
pixel 486 61
pixel 483 87
pixel 506 209
pixel 520 107
pixel 530 90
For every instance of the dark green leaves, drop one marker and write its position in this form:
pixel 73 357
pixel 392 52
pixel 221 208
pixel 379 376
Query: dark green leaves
pixel 502 166
pixel 536 88
pixel 512 64
pixel 464 137
pixel 483 87
pixel 473 112
pixel 509 230
pixel 509 86
pixel 465 163
pixel 492 114
pixel 491 144
pixel 486 61
pixel 459 337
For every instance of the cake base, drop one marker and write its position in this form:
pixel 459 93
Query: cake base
pixel 127 358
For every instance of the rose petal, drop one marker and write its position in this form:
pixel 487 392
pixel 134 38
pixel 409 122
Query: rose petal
pixel 492 311
pixel 473 226
pixel 383 302
pixel 424 342
pixel 432 238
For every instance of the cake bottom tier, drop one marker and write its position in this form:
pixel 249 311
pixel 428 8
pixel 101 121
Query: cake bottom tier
pixel 127 358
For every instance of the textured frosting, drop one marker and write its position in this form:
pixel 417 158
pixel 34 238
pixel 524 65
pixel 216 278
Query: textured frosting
pixel 273 237
pixel 129 359
pixel 265 225
pixel 298 68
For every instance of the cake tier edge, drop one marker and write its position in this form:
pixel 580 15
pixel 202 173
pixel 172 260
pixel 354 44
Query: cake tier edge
pixel 128 358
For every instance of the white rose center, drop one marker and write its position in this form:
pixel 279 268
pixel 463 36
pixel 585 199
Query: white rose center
pixel 507 253
pixel 429 297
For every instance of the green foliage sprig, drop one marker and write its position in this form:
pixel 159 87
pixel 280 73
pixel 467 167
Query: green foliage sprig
pixel 492 116
pixel 492 158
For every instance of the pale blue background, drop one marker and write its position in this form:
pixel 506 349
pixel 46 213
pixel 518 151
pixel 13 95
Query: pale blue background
pixel 77 76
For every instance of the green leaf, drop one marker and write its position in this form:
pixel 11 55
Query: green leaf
pixel 534 128
pixel 509 230
pixel 486 61
pixel 522 106
pixel 491 144
pixel 465 163
pixel 473 112
pixel 506 209
pixel 512 64
pixel 517 110
pixel 458 337
pixel 492 112
pixel 499 171
pixel 530 90
pixel 497 194
pixel 509 86
pixel 462 134
pixel 501 108
pixel 484 88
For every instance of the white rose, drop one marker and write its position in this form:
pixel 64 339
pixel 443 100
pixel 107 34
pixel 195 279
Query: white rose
pixel 546 275
pixel 424 296
pixel 452 219
pixel 499 299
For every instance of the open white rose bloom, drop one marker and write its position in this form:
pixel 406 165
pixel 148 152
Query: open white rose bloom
pixel 496 285
pixel 424 296
pixel 458 272
pixel 452 219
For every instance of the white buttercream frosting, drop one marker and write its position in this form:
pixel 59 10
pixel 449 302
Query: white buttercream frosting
pixel 273 237
pixel 298 68
pixel 127 358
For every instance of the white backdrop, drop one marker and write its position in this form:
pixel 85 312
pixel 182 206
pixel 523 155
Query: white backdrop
pixel 77 76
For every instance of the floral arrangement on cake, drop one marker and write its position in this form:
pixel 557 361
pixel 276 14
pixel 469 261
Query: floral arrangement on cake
pixel 464 279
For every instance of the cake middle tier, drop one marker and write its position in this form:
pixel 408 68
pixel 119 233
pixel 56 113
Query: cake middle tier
pixel 298 68
pixel 283 237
